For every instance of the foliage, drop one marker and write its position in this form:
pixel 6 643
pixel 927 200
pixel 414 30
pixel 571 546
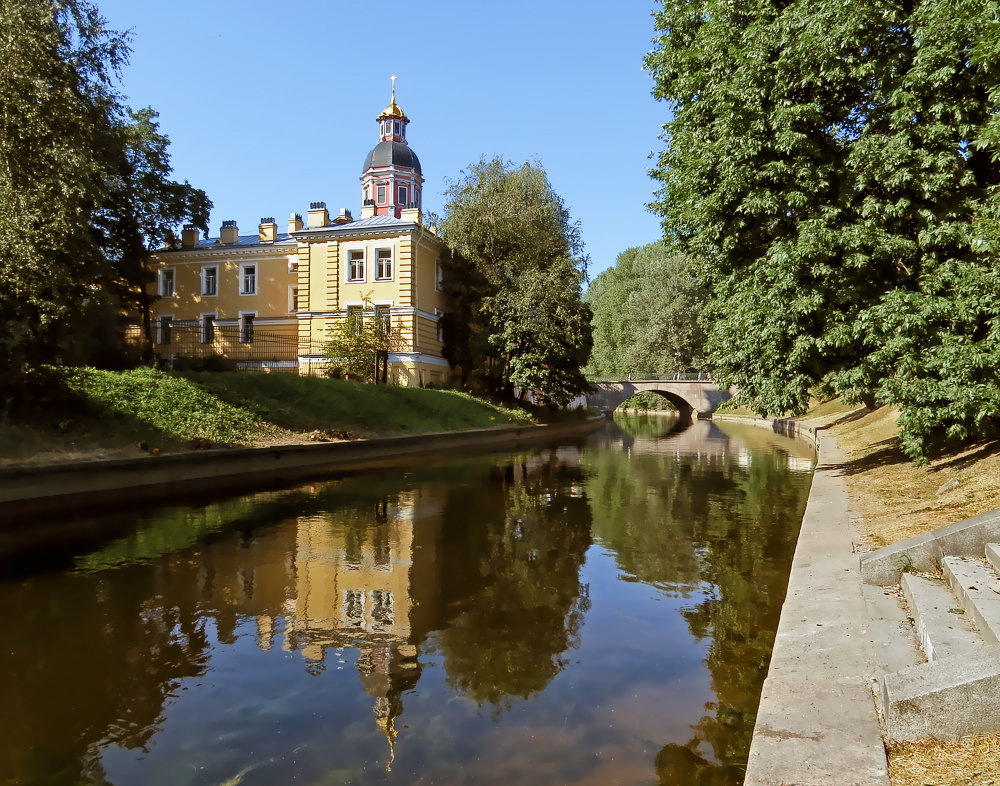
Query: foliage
pixel 647 400
pixel 646 311
pixel 834 169
pixel 83 189
pixel 58 63
pixel 355 344
pixel 144 207
pixel 515 279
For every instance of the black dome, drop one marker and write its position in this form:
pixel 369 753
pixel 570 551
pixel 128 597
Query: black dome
pixel 387 153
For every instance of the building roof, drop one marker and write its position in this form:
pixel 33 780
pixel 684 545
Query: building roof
pixel 387 153
pixel 241 242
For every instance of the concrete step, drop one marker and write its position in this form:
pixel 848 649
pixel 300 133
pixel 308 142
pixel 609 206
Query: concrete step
pixel 993 555
pixel 940 622
pixel 948 698
pixel 891 629
pixel 977 587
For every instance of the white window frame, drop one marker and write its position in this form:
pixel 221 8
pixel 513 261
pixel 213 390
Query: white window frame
pixel 380 194
pixel 376 273
pixel 164 273
pixel 359 310
pixel 244 266
pixel 440 329
pixel 401 192
pixel 204 324
pixel 204 280
pixel 293 266
pixel 438 276
pixel 350 265
pixel 253 320
pixel 159 328
pixel 293 296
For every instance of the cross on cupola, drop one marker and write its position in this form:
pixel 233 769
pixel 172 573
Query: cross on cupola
pixel 391 179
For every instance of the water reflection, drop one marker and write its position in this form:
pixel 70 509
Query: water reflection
pixel 569 615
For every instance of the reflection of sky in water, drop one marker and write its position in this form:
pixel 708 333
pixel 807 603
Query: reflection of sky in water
pixel 553 617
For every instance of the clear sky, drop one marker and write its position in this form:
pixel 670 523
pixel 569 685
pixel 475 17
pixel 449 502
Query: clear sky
pixel 271 106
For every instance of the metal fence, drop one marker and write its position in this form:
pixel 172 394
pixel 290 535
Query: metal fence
pixel 195 345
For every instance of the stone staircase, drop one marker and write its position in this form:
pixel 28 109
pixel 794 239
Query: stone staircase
pixel 934 604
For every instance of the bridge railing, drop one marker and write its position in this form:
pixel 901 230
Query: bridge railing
pixel 686 376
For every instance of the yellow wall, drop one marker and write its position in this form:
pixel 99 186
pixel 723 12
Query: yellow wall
pixel 321 278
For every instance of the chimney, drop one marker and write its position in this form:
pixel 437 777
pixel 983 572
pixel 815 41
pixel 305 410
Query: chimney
pixel 411 214
pixel 189 236
pixel 267 232
pixel 294 222
pixel 367 208
pixel 343 217
pixel 318 215
pixel 230 233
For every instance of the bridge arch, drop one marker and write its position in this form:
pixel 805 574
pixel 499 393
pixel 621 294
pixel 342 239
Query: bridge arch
pixel 689 396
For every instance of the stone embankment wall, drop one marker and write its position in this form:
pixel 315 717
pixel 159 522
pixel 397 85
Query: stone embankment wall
pixel 35 489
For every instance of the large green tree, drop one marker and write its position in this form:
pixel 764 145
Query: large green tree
pixel 84 188
pixel 831 166
pixel 646 312
pixel 516 276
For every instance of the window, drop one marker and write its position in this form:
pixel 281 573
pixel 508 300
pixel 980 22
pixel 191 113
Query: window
pixel 402 195
pixel 207 328
pixel 440 325
pixel 164 331
pixel 293 266
pixel 293 299
pixel 248 279
pixel 382 610
pixel 356 265
pixel 354 319
pixel 354 608
pixel 246 328
pixel 381 195
pixel 167 283
pixel 209 281
pixel 395 127
pixel 439 276
pixel 383 322
pixel 383 264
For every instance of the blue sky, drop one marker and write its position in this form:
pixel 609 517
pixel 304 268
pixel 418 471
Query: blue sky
pixel 272 106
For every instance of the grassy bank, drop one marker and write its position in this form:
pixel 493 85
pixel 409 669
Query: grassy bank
pixel 893 500
pixel 91 413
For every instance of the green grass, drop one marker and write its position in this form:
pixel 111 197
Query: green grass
pixel 91 411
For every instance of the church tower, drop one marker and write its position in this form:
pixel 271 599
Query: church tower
pixel 391 179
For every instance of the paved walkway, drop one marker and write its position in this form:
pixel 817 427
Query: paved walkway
pixel 817 724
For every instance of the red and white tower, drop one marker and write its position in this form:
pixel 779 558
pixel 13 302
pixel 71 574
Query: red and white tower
pixel 391 180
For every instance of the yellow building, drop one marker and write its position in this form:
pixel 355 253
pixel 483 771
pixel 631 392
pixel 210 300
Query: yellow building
pixel 267 300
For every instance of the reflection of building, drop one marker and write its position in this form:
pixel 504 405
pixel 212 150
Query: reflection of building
pixel 269 298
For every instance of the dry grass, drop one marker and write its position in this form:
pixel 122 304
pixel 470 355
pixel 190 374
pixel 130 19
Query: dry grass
pixel 971 760
pixel 894 500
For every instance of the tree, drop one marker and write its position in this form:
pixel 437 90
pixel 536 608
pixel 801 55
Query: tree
pixel 144 208
pixel 55 88
pixel 831 168
pixel 359 346
pixel 646 312
pixel 84 189
pixel 516 273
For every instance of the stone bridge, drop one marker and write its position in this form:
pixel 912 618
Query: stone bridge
pixel 691 397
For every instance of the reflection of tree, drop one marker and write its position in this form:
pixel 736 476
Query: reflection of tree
pixel 748 548
pixel 724 524
pixel 519 565
pixel 99 658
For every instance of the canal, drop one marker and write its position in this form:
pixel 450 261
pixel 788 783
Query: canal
pixel 594 613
